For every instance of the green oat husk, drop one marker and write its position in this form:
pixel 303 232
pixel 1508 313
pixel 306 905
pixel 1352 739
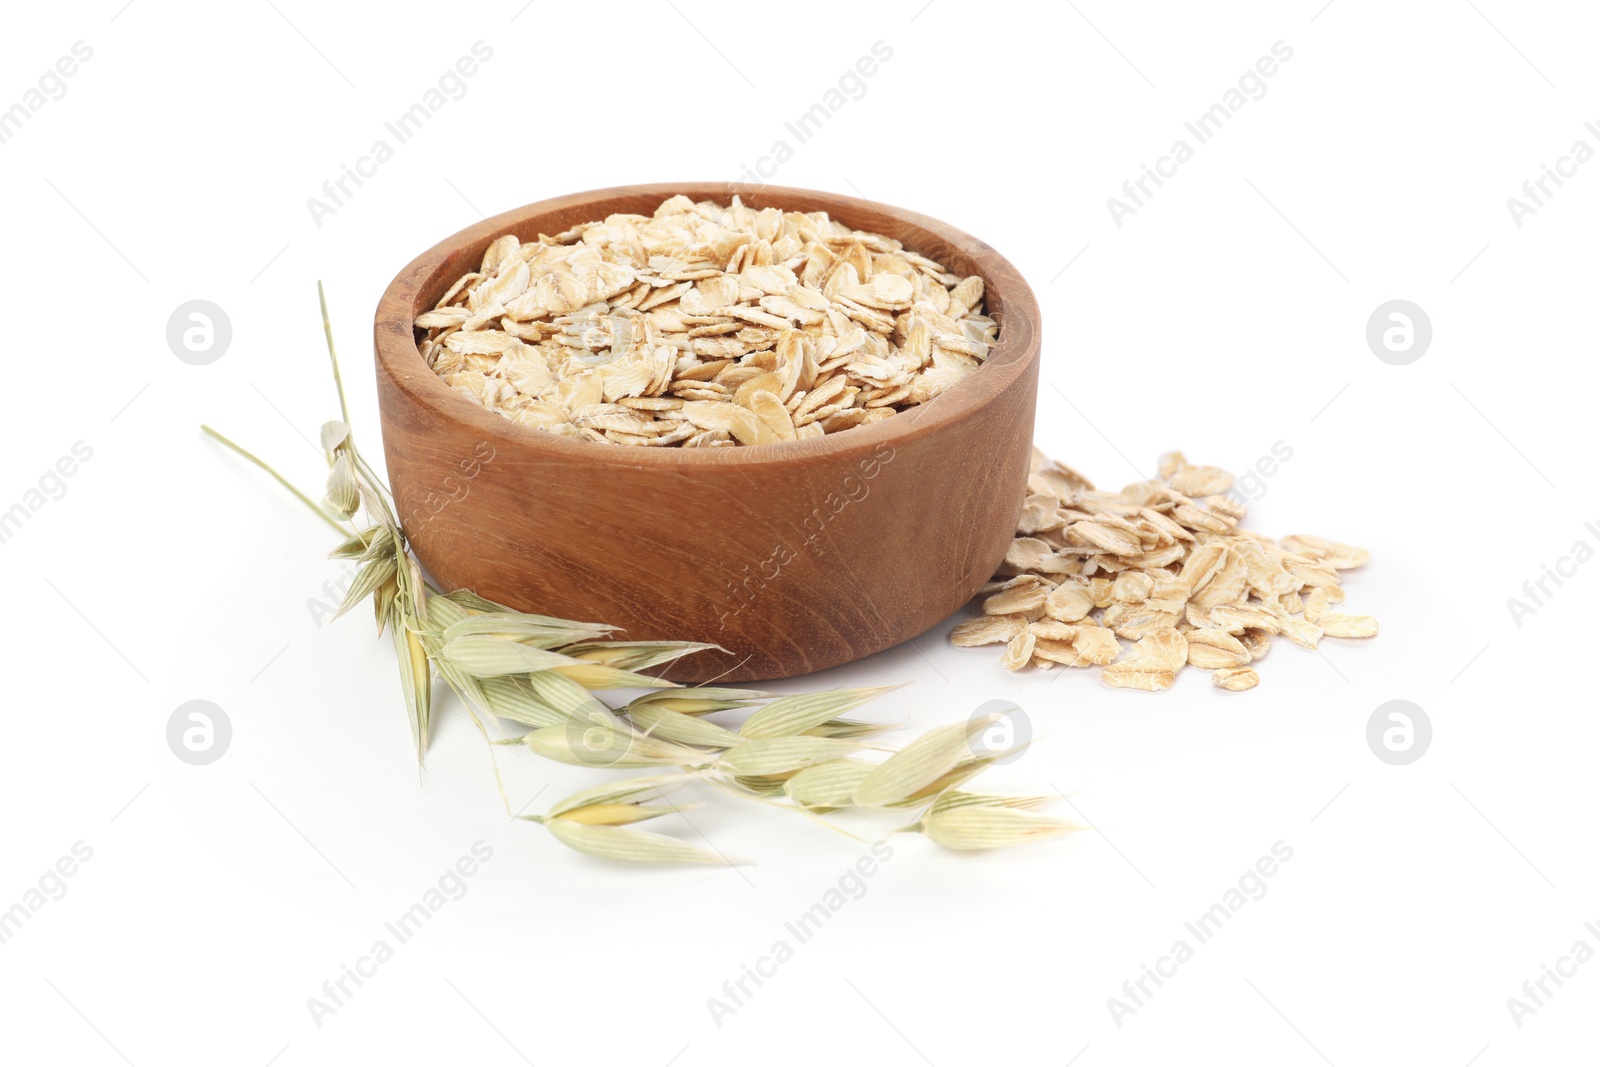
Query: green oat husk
pixel 777 755
pixel 676 726
pixel 920 764
pixel 513 699
pixel 626 791
pixel 488 656
pixel 533 631
pixel 828 786
pixel 986 824
pixel 701 700
pixel 637 655
pixel 793 715
pixel 608 744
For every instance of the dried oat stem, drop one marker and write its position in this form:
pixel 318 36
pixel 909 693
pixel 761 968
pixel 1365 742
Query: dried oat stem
pixel 333 357
pixel 286 483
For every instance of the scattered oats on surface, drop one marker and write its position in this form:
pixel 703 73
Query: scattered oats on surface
pixel 1163 564
pixel 753 326
pixel 1133 675
pixel 988 630
pixel 1337 625
pixel 1027 598
pixel 1019 651
pixel 1235 679
pixel 1215 649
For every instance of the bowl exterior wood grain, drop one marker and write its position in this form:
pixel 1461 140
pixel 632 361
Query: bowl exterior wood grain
pixel 795 557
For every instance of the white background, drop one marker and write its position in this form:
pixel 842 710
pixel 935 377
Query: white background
pixel 1224 316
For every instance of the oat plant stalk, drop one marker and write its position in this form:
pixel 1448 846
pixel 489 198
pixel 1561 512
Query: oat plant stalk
pixel 540 676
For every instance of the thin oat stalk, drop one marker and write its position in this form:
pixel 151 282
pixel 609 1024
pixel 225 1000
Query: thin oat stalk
pixel 541 674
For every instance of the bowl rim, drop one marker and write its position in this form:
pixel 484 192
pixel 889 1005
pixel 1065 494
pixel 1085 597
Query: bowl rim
pixel 1008 298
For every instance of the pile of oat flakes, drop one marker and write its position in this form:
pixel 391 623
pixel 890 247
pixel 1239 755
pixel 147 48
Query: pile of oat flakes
pixel 1164 564
pixel 705 325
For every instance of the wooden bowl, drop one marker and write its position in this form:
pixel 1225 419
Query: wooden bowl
pixel 794 557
